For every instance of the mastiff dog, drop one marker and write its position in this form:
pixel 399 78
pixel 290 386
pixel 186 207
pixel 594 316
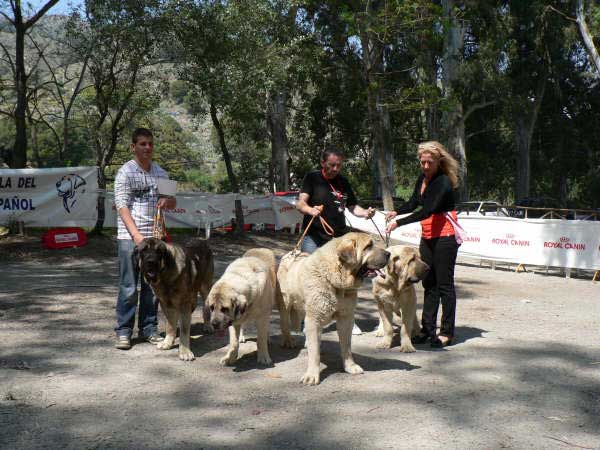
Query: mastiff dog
pixel 322 287
pixel 246 292
pixel 394 292
pixel 177 274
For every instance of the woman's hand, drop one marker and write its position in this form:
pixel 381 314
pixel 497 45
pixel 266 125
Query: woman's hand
pixel 391 227
pixel 390 215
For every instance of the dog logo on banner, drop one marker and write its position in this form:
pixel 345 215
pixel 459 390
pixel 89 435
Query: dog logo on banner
pixel 68 188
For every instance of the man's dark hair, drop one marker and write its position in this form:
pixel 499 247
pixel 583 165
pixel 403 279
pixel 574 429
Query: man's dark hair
pixel 141 132
pixel 331 150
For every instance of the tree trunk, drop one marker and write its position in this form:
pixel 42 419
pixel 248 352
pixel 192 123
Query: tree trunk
pixel 379 119
pixel 455 138
pixel 19 159
pixel 65 141
pixel 277 119
pixel 586 36
pixel 522 142
pixel 100 202
pixel 453 119
pixel 226 157
pixel 525 119
pixel 34 144
pixel 239 223
pixel 428 76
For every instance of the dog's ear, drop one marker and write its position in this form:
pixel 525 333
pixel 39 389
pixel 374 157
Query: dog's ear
pixel 240 306
pixel 137 253
pixel 406 262
pixel 347 252
pixel 391 264
pixel 165 254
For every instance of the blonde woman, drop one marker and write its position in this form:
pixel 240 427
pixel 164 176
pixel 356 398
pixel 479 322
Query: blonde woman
pixel 434 193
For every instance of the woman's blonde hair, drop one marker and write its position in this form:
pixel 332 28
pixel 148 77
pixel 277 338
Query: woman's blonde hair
pixel 448 164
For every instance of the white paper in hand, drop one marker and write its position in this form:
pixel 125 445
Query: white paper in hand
pixel 166 186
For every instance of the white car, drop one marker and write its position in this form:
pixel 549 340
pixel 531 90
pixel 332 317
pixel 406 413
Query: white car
pixel 482 208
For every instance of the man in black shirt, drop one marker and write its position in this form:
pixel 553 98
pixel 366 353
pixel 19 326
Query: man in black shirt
pixel 328 188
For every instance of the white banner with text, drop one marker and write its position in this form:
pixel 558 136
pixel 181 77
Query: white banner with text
pixel 540 242
pixel 64 196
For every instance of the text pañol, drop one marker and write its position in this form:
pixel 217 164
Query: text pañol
pixel 17 204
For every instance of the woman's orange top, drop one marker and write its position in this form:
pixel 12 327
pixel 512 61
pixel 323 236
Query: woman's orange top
pixel 437 225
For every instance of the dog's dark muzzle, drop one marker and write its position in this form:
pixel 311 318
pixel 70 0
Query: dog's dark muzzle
pixel 221 324
pixel 151 276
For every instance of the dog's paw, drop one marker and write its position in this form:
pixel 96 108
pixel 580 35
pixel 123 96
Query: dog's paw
pixel 264 360
pixel 288 342
pixel 379 331
pixel 353 369
pixel 385 343
pixel 407 348
pixel 228 360
pixel 186 354
pixel 165 345
pixel 310 378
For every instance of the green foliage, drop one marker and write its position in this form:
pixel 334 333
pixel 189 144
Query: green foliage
pixel 178 91
pixel 236 54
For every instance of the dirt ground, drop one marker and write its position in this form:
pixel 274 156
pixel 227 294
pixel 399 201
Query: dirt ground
pixel 525 372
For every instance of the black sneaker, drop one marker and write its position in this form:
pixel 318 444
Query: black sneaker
pixel 123 342
pixel 420 338
pixel 154 338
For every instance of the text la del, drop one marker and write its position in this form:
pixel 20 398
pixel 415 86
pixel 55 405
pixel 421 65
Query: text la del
pixel 21 182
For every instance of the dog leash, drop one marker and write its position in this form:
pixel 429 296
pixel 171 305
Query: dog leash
pixel 378 231
pixel 159 229
pixel 326 227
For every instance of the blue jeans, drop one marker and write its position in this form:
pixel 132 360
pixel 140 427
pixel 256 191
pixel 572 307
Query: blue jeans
pixel 311 243
pixel 127 299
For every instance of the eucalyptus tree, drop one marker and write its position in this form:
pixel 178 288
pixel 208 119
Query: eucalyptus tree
pixel 362 45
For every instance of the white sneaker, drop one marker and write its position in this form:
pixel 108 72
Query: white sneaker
pixel 356 330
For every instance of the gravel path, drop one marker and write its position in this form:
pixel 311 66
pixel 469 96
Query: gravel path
pixel 525 372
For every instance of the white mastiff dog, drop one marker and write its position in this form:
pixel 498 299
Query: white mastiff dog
pixel 323 287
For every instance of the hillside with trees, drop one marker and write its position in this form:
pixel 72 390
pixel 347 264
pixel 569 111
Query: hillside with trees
pixel 243 95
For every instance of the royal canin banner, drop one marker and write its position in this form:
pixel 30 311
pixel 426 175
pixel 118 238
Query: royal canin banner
pixel 63 196
pixel 541 242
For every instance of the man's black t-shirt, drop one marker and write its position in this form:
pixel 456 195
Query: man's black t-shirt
pixel 335 195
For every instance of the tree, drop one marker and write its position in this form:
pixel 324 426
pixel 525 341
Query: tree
pixel 62 76
pixel 21 25
pixel 118 41
pixel 586 35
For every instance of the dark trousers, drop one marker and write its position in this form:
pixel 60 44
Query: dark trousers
pixel 127 299
pixel 440 255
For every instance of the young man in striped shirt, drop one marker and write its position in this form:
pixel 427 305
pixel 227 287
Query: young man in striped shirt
pixel 136 201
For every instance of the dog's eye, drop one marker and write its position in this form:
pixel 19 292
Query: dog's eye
pixel 212 307
pixel 225 310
